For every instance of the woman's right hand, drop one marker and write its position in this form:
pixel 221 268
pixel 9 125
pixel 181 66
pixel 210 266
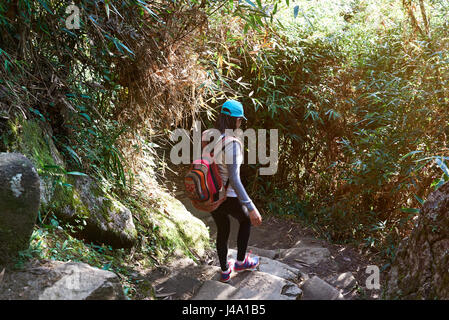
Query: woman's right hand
pixel 255 217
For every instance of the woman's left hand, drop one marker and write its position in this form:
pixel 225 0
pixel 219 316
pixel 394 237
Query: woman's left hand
pixel 255 217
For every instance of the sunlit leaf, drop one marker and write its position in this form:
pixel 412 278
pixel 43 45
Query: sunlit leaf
pixel 410 210
pixel 295 11
pixel 76 173
pixel 442 166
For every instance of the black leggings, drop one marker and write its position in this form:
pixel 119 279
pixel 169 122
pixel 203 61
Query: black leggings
pixel 231 206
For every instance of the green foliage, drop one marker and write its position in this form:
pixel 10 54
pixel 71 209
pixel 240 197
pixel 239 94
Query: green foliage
pixel 93 89
pixel 357 90
pixel 284 202
pixel 91 85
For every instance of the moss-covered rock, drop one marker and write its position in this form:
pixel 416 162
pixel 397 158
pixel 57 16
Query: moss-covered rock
pixel 179 227
pixel 97 215
pixel 19 204
pixel 34 140
pixel 79 201
pixel 102 217
pixel 420 269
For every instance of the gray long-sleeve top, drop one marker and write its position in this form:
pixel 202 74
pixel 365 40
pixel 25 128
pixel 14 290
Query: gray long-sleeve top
pixel 231 170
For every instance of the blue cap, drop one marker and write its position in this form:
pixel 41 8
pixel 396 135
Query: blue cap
pixel 233 108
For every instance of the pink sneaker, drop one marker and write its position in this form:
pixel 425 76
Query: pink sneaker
pixel 226 275
pixel 250 263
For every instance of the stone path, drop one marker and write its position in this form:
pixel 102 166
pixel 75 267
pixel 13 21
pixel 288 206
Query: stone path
pixel 273 280
pixel 283 273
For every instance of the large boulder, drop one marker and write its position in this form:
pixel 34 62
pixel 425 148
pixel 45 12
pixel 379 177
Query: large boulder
pixel 102 217
pixel 34 140
pixel 19 204
pixel 55 280
pixel 178 227
pixel 78 200
pixel 420 269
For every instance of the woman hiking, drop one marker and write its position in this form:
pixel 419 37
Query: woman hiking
pixel 231 117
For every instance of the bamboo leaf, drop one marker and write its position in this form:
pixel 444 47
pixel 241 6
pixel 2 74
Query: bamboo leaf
pixel 85 115
pixel 45 5
pixel 76 173
pixel 411 153
pixel 442 166
pixel 74 155
pixel 421 201
pixel 295 11
pixel 251 3
pixel 410 210
pixel 125 47
pixel 106 5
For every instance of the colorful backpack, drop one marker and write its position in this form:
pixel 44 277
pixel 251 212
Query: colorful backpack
pixel 203 183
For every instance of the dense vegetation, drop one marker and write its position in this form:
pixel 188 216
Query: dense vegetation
pixel 357 89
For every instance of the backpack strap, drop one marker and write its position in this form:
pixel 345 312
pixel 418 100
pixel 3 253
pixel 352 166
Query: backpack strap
pixel 206 142
pixel 228 140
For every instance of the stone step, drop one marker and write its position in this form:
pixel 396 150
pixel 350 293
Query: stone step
pixel 214 290
pixel 318 289
pixel 271 254
pixel 181 278
pixel 273 280
pixel 307 254
pixel 249 285
pixel 345 282
pixel 275 267
pixel 265 286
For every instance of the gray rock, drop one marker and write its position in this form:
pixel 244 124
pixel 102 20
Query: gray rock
pixel 262 286
pixel 420 269
pixel 271 254
pixel 34 140
pixel 79 281
pixel 106 219
pixel 249 286
pixel 318 289
pixel 280 269
pixel 292 290
pixel 215 290
pixel 55 280
pixel 308 255
pixel 344 281
pixel 274 267
pixel 19 203
pixel 84 205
